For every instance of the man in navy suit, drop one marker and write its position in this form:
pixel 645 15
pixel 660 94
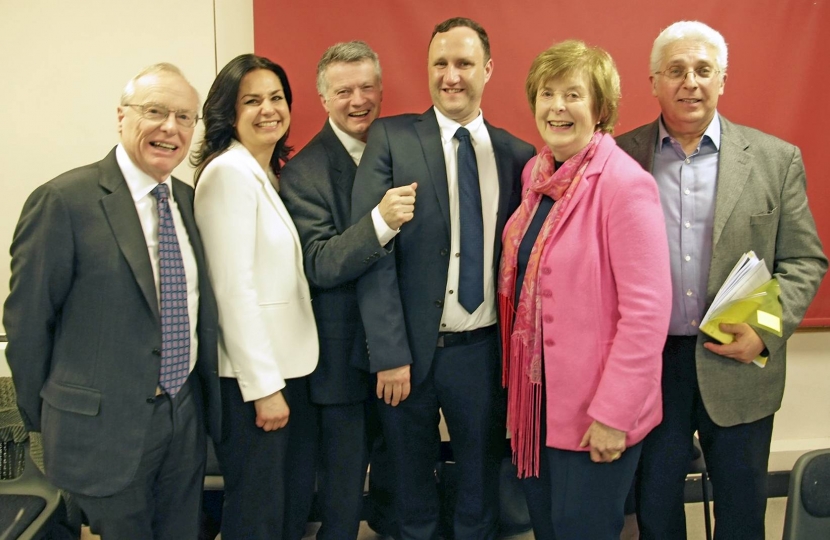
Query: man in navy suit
pixel 316 187
pixel 430 348
pixel 88 341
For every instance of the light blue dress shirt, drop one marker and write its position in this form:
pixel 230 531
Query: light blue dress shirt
pixel 688 185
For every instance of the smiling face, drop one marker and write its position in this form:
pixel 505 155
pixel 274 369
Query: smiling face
pixel 565 114
pixel 458 73
pixel 157 147
pixel 353 96
pixel 262 115
pixel 688 104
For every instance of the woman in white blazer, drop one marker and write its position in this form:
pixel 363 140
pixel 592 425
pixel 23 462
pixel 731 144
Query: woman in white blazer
pixel 268 339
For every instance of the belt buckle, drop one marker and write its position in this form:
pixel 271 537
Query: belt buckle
pixel 440 341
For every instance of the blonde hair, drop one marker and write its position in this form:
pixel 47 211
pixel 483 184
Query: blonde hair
pixel 348 52
pixel 575 57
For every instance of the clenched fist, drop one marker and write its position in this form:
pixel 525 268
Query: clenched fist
pixel 398 205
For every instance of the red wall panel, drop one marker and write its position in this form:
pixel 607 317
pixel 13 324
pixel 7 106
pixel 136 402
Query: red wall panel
pixel 778 76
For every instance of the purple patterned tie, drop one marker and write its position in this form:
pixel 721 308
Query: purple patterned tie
pixel 175 325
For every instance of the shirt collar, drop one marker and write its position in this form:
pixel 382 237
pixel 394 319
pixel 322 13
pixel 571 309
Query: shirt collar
pixel 139 182
pixel 354 147
pixel 448 126
pixel 712 133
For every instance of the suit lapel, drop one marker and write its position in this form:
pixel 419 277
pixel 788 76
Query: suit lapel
pixel 584 186
pixel 587 184
pixel 119 208
pixel 342 164
pixel 427 129
pixel 644 143
pixel 504 168
pixel 184 201
pixel 733 171
pixel 271 195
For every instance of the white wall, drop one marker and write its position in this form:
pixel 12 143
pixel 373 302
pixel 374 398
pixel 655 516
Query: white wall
pixel 63 66
pixel 803 423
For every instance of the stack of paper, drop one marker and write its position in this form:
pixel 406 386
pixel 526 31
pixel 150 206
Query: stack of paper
pixel 748 295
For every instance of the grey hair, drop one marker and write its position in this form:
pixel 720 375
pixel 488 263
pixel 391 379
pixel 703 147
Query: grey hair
pixel 156 69
pixel 694 30
pixel 350 51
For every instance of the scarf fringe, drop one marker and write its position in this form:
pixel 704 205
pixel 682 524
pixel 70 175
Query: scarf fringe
pixel 506 314
pixel 524 408
pixel 524 397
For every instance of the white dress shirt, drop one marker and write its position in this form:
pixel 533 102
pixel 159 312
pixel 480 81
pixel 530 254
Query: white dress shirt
pixel 141 186
pixel 455 318
pixel 354 147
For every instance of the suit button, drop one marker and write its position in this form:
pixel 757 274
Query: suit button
pixel 157 352
pixel 151 400
pixel 548 318
pixel 549 342
pixel 444 252
pixel 439 303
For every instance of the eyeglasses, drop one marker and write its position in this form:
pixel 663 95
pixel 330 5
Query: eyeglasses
pixel 676 72
pixel 155 112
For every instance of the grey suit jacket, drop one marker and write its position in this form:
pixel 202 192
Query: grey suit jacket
pixel 316 187
pixel 402 297
pixel 84 327
pixel 761 205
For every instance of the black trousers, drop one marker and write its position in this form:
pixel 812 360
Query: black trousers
pixel 737 458
pixel 380 504
pixel 269 476
pixel 164 500
pixel 574 498
pixel 464 383
pixel 342 469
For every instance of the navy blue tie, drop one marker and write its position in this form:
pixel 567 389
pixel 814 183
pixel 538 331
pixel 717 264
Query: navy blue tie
pixel 471 272
pixel 175 323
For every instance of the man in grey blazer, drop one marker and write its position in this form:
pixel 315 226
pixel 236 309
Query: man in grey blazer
pixel 431 348
pixel 316 186
pixel 120 394
pixel 726 189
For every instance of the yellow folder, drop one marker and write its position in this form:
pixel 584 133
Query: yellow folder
pixel 760 309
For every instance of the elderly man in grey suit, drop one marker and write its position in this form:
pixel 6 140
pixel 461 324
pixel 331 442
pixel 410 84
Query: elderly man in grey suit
pixel 726 189
pixel 316 187
pixel 112 323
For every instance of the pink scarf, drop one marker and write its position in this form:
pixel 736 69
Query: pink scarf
pixel 522 336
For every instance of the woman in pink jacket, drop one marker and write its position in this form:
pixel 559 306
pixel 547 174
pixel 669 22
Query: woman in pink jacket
pixel 583 298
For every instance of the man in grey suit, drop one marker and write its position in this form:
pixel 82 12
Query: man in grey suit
pixel 316 186
pixel 726 189
pixel 429 310
pixel 112 323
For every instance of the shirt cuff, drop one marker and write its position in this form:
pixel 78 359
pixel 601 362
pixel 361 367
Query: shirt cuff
pixel 383 233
